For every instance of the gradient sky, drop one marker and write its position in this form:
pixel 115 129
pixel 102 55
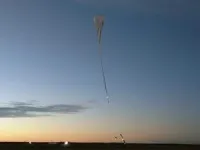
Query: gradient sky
pixel 49 66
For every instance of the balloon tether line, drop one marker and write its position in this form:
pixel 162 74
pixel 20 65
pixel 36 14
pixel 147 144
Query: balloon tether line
pixel 103 74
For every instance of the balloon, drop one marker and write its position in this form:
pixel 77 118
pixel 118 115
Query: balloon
pixel 99 22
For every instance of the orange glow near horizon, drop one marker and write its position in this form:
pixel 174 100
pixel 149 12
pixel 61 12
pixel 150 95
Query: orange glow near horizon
pixel 74 129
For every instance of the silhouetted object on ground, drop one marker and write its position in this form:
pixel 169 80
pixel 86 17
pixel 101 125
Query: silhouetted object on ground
pixel 123 139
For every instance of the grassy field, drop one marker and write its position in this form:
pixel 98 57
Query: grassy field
pixel 95 146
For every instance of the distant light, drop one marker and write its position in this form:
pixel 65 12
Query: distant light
pixel 29 142
pixel 66 143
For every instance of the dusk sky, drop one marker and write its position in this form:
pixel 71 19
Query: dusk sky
pixel 50 76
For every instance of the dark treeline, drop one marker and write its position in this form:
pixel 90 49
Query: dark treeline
pixel 93 146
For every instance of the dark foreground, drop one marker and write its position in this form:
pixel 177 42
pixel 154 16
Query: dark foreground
pixel 93 146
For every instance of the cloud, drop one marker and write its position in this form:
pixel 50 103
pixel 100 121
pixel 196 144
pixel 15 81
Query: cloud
pixel 28 109
pixel 149 7
pixel 28 103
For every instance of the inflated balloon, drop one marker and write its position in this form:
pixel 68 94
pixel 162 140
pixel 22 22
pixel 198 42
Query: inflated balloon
pixel 99 22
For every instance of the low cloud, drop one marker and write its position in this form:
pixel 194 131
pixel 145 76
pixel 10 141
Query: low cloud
pixel 28 109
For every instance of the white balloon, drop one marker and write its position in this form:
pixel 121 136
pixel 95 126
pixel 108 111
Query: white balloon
pixel 99 22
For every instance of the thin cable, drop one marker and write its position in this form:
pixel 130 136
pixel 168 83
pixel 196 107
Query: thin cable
pixel 103 73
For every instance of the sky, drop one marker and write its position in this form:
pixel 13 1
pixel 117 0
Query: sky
pixel 51 82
